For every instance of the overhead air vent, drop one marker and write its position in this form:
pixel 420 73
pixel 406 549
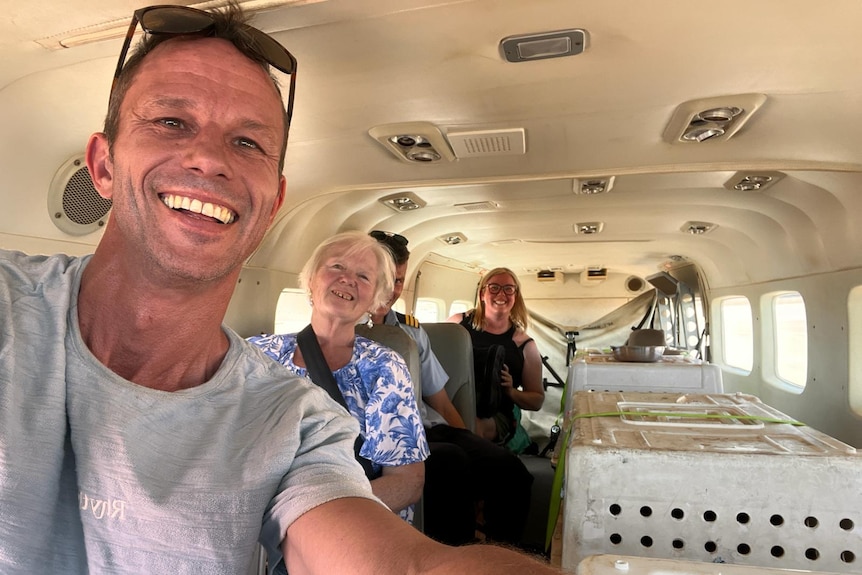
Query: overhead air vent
pixel 698 228
pixel 484 143
pixel 711 119
pixel 634 284
pixel 414 142
pixel 593 275
pixel 550 276
pixel 403 202
pixel 592 186
pixel 543 45
pixel 477 206
pixel 752 181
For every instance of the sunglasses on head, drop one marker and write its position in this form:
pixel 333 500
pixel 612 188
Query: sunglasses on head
pixel 381 236
pixel 183 21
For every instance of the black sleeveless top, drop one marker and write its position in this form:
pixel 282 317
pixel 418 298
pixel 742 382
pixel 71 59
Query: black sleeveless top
pixel 514 355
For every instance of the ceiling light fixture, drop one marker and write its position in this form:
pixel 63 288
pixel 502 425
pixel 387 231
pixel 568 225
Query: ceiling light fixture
pixel 403 202
pixel 413 142
pixel 711 119
pixel 753 181
pixel 589 228
pixel 528 47
pixel 592 186
pixel 698 228
pixel 454 239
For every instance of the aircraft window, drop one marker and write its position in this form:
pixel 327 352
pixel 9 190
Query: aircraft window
pixel 737 332
pixel 790 340
pixel 429 310
pixel 292 312
pixel 459 306
pixel 854 312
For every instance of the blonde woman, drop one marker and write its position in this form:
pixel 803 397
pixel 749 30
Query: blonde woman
pixel 500 318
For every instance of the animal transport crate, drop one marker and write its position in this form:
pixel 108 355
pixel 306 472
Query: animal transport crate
pixel 717 478
pixel 629 565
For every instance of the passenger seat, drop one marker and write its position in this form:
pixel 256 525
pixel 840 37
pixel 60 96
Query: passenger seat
pixel 454 348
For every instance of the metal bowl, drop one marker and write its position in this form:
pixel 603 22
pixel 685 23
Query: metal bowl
pixel 640 353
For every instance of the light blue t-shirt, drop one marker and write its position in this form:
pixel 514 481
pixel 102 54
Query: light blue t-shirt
pixel 99 475
pixel 377 389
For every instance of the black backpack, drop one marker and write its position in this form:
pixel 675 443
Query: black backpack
pixel 487 369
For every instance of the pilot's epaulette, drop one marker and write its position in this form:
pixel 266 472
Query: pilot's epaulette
pixel 407 319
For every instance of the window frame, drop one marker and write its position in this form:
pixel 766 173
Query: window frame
pixel 771 340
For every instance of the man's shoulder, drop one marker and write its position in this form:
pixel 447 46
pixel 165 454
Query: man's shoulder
pixel 37 266
pixel 407 320
pixel 50 278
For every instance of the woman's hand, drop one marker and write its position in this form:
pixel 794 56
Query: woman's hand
pixel 506 381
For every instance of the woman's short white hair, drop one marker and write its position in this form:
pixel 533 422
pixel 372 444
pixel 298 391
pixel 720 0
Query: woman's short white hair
pixel 350 244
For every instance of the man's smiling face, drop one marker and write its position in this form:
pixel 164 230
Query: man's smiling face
pixel 193 173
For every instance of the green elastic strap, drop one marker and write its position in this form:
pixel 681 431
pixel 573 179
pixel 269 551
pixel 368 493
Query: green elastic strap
pixel 557 489
pixel 692 415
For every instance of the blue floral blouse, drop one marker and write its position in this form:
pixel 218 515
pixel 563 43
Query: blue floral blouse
pixel 378 391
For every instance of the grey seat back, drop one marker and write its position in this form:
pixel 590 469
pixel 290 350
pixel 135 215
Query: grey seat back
pixel 394 338
pixel 452 345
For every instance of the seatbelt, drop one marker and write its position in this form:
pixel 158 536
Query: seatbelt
pixel 321 375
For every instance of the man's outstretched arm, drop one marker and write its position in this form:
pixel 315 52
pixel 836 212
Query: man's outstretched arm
pixel 360 536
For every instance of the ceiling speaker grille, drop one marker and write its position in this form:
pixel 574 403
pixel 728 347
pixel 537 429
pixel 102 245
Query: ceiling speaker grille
pixel 74 205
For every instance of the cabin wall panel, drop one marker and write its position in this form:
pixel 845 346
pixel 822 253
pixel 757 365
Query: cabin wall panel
pixel 252 306
pixel 47 118
pixel 824 403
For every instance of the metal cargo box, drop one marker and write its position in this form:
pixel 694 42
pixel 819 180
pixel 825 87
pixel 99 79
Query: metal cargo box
pixel 629 565
pixel 711 478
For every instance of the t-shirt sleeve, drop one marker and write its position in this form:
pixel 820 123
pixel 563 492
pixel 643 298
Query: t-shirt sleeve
pixel 323 468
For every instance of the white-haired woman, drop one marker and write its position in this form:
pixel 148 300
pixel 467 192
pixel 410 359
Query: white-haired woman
pixel 347 276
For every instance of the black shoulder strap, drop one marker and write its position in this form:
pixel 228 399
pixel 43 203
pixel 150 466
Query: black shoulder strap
pixel 322 376
pixel 318 370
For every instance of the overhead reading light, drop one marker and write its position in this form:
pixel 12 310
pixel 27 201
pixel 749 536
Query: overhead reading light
pixel 453 239
pixel 589 228
pixel 712 119
pixel 752 181
pixel 698 228
pixel 403 202
pixel 592 186
pixel 702 133
pixel 414 142
pixel 529 47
